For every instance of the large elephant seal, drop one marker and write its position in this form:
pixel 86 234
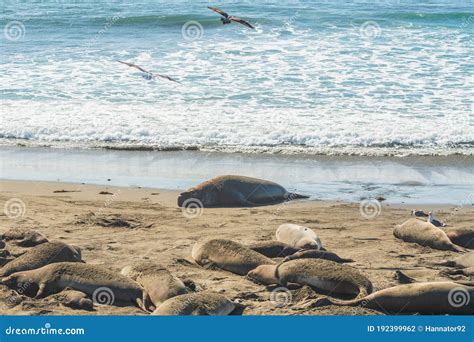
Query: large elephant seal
pixel 461 237
pixel 273 249
pixel 228 255
pixel 298 236
pixel 444 297
pixel 463 261
pixel 321 274
pixel 425 234
pixel 317 254
pixel 41 255
pixel 157 281
pixel 103 285
pixel 194 304
pixel 236 191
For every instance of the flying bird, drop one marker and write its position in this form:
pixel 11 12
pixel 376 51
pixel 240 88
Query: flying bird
pixel 434 221
pixel 227 19
pixel 418 213
pixel 147 74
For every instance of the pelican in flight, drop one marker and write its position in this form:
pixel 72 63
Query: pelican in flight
pixel 227 19
pixel 146 74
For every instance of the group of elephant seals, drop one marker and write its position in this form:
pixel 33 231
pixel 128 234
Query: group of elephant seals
pixel 425 234
pixel 461 237
pixel 236 191
pixel 298 236
pixel 156 280
pixel 317 254
pixel 318 273
pixel 443 297
pixel 93 280
pixel 228 255
pixel 196 304
pixel 41 255
pixel 273 249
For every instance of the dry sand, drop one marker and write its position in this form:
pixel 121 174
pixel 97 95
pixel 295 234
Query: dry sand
pixel 132 224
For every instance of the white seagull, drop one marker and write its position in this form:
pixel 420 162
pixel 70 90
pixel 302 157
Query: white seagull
pixel 434 221
pixel 418 213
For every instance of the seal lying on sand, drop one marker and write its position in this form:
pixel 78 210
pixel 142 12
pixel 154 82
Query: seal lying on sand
pixel 444 297
pixel 463 261
pixel 75 300
pixel 24 237
pixel 236 191
pixel 194 304
pixel 425 234
pixel 298 236
pixel 156 280
pixel 273 249
pixel 95 281
pixel 461 237
pixel 321 274
pixel 228 255
pixel 41 255
pixel 468 272
pixel 317 254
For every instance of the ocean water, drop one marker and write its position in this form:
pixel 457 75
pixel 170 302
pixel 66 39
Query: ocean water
pixel 359 77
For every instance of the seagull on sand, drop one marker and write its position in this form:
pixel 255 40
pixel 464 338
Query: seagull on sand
pixel 434 221
pixel 227 19
pixel 146 74
pixel 418 213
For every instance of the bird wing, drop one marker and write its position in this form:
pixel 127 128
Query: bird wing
pixel 241 21
pixel 135 66
pixel 217 10
pixel 167 78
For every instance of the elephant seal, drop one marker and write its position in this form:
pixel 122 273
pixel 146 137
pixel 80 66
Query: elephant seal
pixel 318 273
pixel 443 297
pixel 298 236
pixel 75 300
pixel 97 282
pixel 24 237
pixel 425 234
pixel 468 272
pixel 317 254
pixel 156 280
pixel 236 191
pixel 196 304
pixel 461 237
pixel 228 255
pixel 273 249
pixel 463 261
pixel 41 255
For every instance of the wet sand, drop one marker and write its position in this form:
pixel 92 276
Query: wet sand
pixel 132 224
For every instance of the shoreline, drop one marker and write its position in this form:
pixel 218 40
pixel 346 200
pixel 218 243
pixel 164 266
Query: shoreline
pixel 130 224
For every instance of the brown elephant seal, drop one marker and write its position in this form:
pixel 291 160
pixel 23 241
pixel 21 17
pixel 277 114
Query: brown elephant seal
pixel 425 234
pixel 298 236
pixel 75 300
pixel 463 261
pixel 196 304
pixel 41 255
pixel 103 285
pixel 24 237
pixel 318 273
pixel 468 272
pixel 228 255
pixel 317 254
pixel 461 237
pixel 236 191
pixel 157 281
pixel 443 297
pixel 272 248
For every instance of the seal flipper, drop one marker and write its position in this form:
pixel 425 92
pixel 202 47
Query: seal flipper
pixel 41 290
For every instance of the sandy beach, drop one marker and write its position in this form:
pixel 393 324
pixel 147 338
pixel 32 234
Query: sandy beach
pixel 128 224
